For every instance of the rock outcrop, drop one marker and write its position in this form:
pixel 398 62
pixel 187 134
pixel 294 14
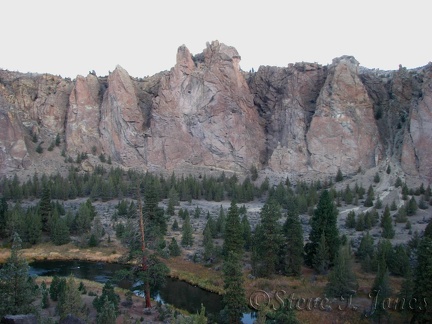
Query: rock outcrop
pixel 204 115
pixel 343 133
pixel 207 114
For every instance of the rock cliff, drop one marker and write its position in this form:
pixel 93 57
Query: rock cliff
pixel 207 114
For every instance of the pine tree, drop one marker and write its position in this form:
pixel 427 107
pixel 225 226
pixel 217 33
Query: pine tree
pixel 268 240
pixel 175 225
pixel 109 294
pixel 45 208
pixel 339 176
pixel 247 233
pixel 69 300
pixel 17 291
pixel 293 247
pixel 387 225
pixel 174 248
pixel 107 315
pixel 411 207
pixel 221 221
pixel 350 221
pixel 376 178
pixel 321 258
pixel 187 232
pixel 234 298
pixel 369 197
pixel 60 232
pixel 381 290
pixel 342 281
pixel 208 242
pixel 423 282
pixel 324 221
pixel 233 238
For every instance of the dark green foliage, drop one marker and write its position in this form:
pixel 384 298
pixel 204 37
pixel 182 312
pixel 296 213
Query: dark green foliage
pixel 401 216
pixel 197 212
pixel 393 206
pixel 247 234
pixel 292 249
pixel 388 231
pixel 174 248
pixel 321 258
pixel 369 197
pixel 253 172
pixel 267 241
pixel 233 236
pixel 93 241
pixel 398 261
pixel 102 158
pixel 350 221
pixel 56 288
pixel 366 247
pixel 378 204
pixel 339 176
pixel 411 207
pixel 45 303
pixel 175 225
pixel 187 232
pixel 60 232
pixel 39 148
pixel 422 203
pixel 234 298
pixel 109 294
pixel 423 282
pixel 324 222
pixel 208 242
pixel 398 182
pixel 45 208
pixel 282 315
pixel 380 291
pixel 428 230
pixel 376 178
pixel 69 299
pixel 17 291
pixel 342 281
pixel 108 314
pixel 388 170
pixel 348 195
pixel 57 140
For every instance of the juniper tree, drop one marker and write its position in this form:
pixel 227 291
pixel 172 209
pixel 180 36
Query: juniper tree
pixel 174 248
pixel 45 208
pixel 208 242
pixel 69 300
pixel 380 291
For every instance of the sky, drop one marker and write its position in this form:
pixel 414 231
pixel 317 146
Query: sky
pixel 68 38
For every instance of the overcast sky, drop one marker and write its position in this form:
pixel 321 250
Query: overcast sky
pixel 73 37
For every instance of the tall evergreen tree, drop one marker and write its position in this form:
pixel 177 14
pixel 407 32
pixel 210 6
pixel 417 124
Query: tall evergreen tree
pixel 321 258
pixel 342 281
pixel 208 242
pixel 45 208
pixel 234 298
pixel 247 233
pixel 423 282
pixel 388 231
pixel 233 238
pixel 69 301
pixel 293 245
pixel 108 314
pixel 109 294
pixel 174 248
pixel 187 232
pixel 381 290
pixel 17 289
pixel 60 232
pixel 268 240
pixel 324 221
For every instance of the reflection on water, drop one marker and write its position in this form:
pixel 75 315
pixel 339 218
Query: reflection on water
pixel 177 293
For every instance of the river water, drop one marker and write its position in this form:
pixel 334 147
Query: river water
pixel 176 292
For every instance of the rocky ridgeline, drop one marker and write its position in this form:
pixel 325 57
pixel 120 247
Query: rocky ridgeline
pixel 207 114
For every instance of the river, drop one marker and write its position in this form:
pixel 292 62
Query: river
pixel 176 292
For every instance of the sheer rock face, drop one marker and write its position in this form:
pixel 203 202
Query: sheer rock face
pixel 13 150
pixel 82 128
pixel 416 152
pixel 286 98
pixel 204 114
pixel 343 133
pixel 121 124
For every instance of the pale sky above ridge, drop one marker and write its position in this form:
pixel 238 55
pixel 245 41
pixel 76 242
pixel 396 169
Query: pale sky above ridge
pixel 74 37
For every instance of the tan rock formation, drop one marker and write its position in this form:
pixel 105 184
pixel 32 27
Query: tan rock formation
pixel 416 153
pixel 343 133
pixel 13 150
pixel 204 114
pixel 82 128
